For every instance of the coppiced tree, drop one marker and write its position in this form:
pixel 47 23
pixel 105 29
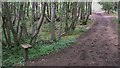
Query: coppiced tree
pixel 7 25
pixel 39 24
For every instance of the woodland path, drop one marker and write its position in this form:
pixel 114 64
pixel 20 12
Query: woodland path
pixel 96 47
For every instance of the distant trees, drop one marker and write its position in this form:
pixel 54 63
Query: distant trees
pixel 108 6
pixel 85 11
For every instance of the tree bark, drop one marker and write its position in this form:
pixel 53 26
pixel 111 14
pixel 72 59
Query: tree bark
pixel 74 16
pixel 28 8
pixel 119 12
pixel 61 17
pixel 53 5
pixel 66 18
pixel 33 17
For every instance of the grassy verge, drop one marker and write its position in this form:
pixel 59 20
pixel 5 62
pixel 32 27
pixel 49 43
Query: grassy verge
pixel 41 49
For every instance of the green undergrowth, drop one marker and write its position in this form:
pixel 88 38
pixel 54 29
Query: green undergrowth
pixel 38 50
pixel 45 49
pixel 15 57
pixel 117 21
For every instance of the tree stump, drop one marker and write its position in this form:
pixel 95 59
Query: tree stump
pixel 26 47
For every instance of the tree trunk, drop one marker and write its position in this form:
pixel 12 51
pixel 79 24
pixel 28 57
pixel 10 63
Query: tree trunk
pixel 82 10
pixel 36 15
pixel 90 8
pixel 28 8
pixel 61 17
pixel 24 28
pixel 53 5
pixel 66 18
pixel 33 17
pixel 4 31
pixel 48 14
pixel 119 12
pixel 74 16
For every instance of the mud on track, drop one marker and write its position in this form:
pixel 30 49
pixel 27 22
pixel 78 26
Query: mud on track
pixel 96 47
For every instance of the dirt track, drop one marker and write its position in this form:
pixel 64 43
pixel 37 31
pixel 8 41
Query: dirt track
pixel 96 47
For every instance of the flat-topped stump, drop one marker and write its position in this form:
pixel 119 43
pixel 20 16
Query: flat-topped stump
pixel 26 47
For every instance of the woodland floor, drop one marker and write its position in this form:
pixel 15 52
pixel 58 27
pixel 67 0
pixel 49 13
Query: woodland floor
pixel 96 47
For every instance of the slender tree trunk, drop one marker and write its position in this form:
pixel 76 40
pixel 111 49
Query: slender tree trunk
pixel 28 8
pixel 82 10
pixel 66 18
pixel 1 21
pixel 19 15
pixel 33 17
pixel 24 28
pixel 86 7
pixel 57 6
pixel 90 8
pixel 74 16
pixel 119 12
pixel 61 17
pixel 36 5
pixel 78 15
pixel 53 5
pixel 48 13
pixel 50 10
pixel 8 34
pixel 4 31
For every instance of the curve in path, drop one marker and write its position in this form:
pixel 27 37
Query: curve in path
pixel 96 47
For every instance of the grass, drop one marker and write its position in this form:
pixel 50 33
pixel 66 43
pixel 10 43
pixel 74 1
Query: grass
pixel 45 49
pixel 115 20
pixel 40 49
pixel 15 57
